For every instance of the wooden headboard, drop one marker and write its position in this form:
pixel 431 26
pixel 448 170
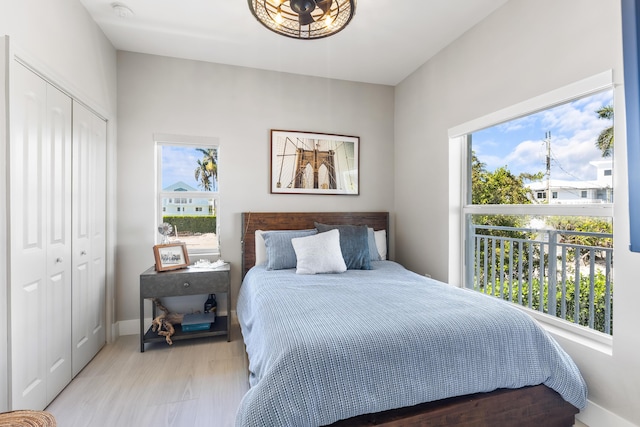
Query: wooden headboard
pixel 252 221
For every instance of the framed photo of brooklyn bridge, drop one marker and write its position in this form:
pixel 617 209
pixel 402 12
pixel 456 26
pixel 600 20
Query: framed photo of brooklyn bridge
pixel 314 163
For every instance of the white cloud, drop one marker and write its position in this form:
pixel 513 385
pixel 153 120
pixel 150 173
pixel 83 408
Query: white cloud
pixel 574 129
pixel 528 156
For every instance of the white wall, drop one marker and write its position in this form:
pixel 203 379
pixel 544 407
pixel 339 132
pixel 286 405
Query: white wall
pixel 62 41
pixel 239 106
pixel 524 49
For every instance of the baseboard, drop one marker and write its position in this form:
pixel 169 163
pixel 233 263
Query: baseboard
pixel 132 326
pixel 595 415
pixel 115 332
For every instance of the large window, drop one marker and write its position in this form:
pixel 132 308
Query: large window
pixel 537 207
pixel 188 197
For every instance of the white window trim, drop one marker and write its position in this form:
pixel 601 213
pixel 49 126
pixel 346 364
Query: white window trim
pixel 458 208
pixel 186 140
pixel 579 89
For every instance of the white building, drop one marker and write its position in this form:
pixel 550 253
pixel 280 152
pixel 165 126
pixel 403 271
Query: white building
pixel 559 191
pixel 185 205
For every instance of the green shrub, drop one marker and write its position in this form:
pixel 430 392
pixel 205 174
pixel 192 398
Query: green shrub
pixel 501 290
pixel 192 224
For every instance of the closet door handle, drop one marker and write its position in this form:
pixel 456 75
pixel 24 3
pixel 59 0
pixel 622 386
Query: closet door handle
pixel 83 252
pixel 58 260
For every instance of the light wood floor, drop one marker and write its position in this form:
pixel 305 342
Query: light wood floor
pixel 191 383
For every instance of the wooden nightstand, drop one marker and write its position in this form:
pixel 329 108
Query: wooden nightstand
pixel 188 281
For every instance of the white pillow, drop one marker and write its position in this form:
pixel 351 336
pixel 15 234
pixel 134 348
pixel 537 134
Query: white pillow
pixel 381 243
pixel 261 249
pixel 319 253
pixel 371 242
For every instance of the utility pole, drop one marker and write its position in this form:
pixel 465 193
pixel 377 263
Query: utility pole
pixel 547 140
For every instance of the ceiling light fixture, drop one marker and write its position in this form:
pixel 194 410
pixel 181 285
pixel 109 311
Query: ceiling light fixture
pixel 121 10
pixel 304 19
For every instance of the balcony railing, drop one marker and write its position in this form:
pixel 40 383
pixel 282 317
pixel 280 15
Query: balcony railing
pixel 545 270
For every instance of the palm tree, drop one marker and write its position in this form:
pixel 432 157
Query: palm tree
pixel 604 142
pixel 207 170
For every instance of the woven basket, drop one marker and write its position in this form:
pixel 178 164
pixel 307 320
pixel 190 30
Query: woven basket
pixel 27 419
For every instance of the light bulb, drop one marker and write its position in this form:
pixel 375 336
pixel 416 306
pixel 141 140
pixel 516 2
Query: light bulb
pixel 328 21
pixel 279 19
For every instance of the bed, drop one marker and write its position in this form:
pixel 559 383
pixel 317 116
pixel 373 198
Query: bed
pixel 389 347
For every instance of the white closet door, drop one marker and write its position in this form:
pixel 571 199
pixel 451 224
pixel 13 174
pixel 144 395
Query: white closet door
pixel 40 235
pixel 89 226
pixel 58 189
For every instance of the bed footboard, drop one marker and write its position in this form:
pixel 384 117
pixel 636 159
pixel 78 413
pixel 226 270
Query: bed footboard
pixel 524 407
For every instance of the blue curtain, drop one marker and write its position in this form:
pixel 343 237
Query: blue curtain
pixel 630 43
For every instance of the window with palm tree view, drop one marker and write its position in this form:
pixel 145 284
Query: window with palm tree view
pixel 188 197
pixel 539 229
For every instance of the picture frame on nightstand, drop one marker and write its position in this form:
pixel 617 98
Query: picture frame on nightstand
pixel 171 256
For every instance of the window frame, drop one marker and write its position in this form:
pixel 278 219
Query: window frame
pixel 187 141
pixel 460 194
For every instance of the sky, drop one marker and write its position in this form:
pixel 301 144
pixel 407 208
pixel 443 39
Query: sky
pixel 179 164
pixel 520 144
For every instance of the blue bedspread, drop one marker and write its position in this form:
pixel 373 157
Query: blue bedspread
pixel 329 347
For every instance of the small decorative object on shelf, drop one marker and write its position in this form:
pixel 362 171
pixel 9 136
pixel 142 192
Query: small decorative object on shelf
pixel 203 263
pixel 163 324
pixel 219 263
pixel 197 322
pixel 211 305
pixel 165 229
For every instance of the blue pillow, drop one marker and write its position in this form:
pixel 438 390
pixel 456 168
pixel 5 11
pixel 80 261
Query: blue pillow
pixel 354 244
pixel 280 252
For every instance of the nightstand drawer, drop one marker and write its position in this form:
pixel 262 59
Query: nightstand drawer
pixel 190 281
